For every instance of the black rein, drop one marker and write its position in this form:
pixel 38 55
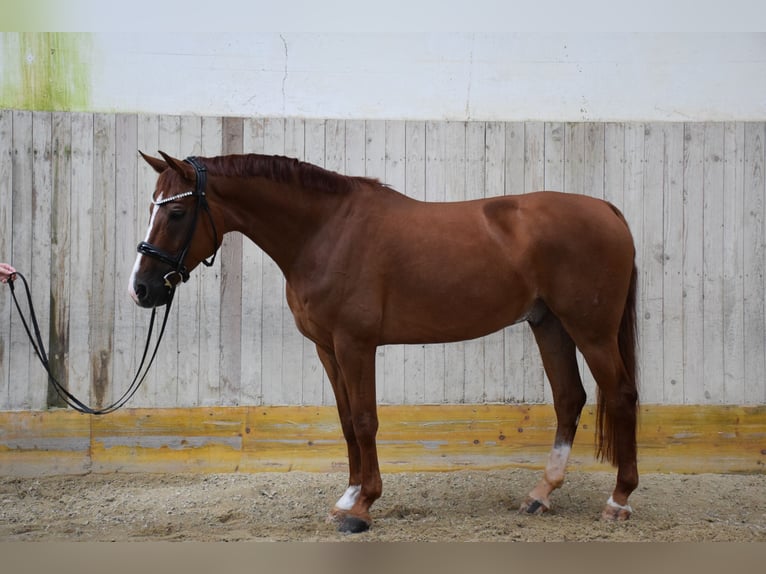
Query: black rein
pixel 177 269
pixel 61 390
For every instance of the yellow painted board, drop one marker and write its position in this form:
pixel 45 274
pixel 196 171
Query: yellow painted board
pixel 169 440
pixel 50 442
pixel 410 438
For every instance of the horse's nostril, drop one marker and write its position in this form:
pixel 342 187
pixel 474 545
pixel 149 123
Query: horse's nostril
pixel 141 291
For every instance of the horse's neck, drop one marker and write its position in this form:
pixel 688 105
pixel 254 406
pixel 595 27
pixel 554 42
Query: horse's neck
pixel 279 217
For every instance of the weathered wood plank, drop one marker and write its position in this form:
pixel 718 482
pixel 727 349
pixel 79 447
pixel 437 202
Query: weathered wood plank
pixel 251 346
pixel 211 144
pixel 652 259
pixel 693 305
pixel 230 366
pixel 6 253
pixel 733 265
pixel 103 248
pixel 272 332
pixel 188 295
pixel 148 141
pixel 129 322
pixel 292 340
pixel 20 353
pixel 712 247
pixel 42 192
pixel 81 261
pixel 166 365
pixel 672 271
pixel 632 206
pixel 755 263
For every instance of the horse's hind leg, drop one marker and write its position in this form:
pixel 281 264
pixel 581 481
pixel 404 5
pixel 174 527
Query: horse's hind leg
pixel 559 359
pixel 617 427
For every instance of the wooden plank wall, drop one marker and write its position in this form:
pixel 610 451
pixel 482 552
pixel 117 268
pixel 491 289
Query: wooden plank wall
pixel 74 201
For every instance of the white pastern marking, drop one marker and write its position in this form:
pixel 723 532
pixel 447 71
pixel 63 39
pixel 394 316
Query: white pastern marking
pixel 349 497
pixel 613 504
pixel 557 463
pixel 136 265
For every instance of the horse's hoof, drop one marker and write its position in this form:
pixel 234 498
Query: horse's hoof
pixel 353 525
pixel 614 512
pixel 534 506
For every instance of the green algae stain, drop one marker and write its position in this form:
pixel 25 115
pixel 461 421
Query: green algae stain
pixel 45 71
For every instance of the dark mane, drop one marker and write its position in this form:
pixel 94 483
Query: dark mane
pixel 285 170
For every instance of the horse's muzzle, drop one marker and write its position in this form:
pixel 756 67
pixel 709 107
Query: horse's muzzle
pixel 150 294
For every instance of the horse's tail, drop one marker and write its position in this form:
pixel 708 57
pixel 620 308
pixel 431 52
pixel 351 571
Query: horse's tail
pixel 627 391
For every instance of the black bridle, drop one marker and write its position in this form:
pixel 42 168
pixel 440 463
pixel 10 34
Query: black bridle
pixel 177 269
pixel 176 262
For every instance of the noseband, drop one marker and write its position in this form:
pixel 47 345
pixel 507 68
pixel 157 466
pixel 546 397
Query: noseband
pixel 176 262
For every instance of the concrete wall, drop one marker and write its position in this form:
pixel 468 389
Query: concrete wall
pixel 387 75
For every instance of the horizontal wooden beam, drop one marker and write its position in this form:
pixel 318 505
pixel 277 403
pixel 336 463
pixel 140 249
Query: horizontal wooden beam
pixel 684 439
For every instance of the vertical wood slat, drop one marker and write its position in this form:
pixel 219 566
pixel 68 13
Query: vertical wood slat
pixel 292 340
pixel 188 297
pixel 148 141
pixel 103 249
pixel 75 203
pixel 251 345
pixel 230 369
pixel 209 292
pixel 166 364
pixel 712 271
pixel 6 249
pixel 21 251
pixel 130 203
pixel 755 262
pixel 733 264
pixel 693 310
pixel 81 260
pixel 272 333
pixel 42 191
pixel 652 260
pixel 672 270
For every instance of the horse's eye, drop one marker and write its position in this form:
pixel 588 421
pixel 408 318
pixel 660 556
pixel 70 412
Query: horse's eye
pixel 176 214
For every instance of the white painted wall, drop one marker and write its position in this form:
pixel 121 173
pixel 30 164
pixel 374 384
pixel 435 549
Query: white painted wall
pixel 465 76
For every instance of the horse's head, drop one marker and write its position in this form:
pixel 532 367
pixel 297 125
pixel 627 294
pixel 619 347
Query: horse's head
pixel 181 231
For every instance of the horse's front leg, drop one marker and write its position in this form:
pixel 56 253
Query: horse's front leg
pixel 358 418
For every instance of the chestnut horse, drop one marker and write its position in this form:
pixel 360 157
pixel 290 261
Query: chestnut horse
pixel 367 266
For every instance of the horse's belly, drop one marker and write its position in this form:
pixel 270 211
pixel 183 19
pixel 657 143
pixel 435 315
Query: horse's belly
pixel 457 314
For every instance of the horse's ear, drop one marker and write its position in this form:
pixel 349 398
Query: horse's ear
pixel 181 167
pixel 157 164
